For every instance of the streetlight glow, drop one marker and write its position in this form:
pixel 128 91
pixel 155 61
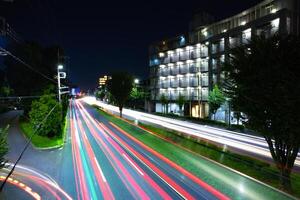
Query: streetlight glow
pixel 136 81
pixel 60 67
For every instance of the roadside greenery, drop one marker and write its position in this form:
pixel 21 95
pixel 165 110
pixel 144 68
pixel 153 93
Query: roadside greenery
pixel 164 102
pixel 120 86
pixel 51 133
pixel 3 146
pixel 252 167
pixel 263 82
pixel 39 109
pixel 39 141
pixel 180 102
pixel 215 100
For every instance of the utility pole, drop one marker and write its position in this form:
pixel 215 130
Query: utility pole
pixel 60 75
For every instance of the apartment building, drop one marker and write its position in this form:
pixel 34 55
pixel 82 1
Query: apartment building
pixel 191 64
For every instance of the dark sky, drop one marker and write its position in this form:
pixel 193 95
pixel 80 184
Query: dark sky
pixel 105 35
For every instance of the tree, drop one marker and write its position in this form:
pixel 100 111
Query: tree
pixel 100 94
pixel 5 91
pixel 164 101
pixel 263 82
pixel 180 101
pixel 215 100
pixel 39 110
pixel 3 146
pixel 120 86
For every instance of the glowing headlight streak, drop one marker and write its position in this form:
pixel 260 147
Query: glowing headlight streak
pixel 81 186
pixel 22 186
pixel 253 144
pixel 118 166
pixel 40 180
pixel 207 187
pixel 106 192
pixel 99 127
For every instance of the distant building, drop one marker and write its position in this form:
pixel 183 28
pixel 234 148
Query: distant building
pixel 103 80
pixel 190 64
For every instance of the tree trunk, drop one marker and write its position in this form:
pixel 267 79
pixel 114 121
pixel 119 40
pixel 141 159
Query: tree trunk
pixel 284 154
pixel 121 109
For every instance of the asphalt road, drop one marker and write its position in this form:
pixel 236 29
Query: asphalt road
pixel 111 165
pixel 102 161
pixel 37 173
pixel 255 146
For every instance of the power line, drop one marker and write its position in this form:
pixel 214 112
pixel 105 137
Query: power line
pixel 24 97
pixel 27 65
pixel 26 146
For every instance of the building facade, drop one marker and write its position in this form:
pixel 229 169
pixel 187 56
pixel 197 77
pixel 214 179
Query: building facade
pixel 103 80
pixel 191 64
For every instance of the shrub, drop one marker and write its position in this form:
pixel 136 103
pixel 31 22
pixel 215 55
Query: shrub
pixel 39 110
pixel 3 146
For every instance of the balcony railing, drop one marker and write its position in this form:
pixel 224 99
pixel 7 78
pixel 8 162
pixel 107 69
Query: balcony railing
pixel 204 82
pixel 174 71
pixel 174 84
pixel 234 42
pixel 165 72
pixel 194 82
pixel 193 69
pixel 183 70
pixel 165 85
pixel 183 83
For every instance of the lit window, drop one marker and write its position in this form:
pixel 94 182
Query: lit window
pixel 161 55
pixel 275 23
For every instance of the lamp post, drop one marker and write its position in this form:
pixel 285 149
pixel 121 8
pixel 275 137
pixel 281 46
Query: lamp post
pixel 60 75
pixel 136 81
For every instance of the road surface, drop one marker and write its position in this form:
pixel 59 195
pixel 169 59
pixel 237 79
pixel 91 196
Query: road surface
pixel 252 145
pixel 101 161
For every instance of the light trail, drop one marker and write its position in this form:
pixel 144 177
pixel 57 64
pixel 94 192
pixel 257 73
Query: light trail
pixel 28 179
pixel 22 186
pixel 253 144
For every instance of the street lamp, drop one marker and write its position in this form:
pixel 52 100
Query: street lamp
pixel 59 67
pixel 136 81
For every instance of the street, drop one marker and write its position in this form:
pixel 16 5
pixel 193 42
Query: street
pixel 101 161
pixel 248 144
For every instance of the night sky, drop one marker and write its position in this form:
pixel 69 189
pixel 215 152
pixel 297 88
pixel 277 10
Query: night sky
pixel 103 36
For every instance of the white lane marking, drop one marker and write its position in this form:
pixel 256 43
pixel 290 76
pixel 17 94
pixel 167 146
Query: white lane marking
pixel 103 177
pixel 133 164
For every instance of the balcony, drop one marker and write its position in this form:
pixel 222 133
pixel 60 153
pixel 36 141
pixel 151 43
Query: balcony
pixel 204 68
pixel 194 82
pixel 184 56
pixel 173 97
pixel 174 83
pixel 174 58
pixel 204 81
pixel 183 69
pixel 174 71
pixel 193 96
pixel 165 72
pixel 214 48
pixel 166 60
pixel 234 42
pixel 183 83
pixel 166 85
pixel 193 69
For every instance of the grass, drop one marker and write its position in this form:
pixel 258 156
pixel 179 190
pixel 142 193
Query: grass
pixel 42 141
pixel 252 167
